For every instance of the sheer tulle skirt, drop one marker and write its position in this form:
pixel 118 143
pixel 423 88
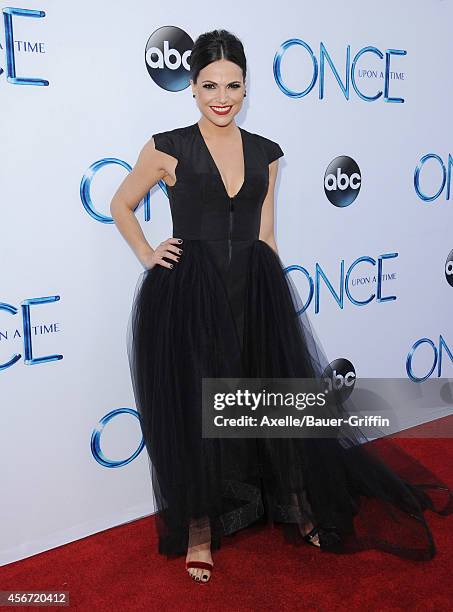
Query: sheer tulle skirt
pixel 182 329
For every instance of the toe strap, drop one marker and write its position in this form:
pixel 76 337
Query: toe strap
pixel 199 564
pixel 311 534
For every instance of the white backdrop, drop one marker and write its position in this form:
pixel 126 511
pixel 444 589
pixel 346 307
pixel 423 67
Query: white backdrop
pixel 100 103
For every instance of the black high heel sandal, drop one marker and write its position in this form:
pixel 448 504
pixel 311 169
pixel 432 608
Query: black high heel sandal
pixel 309 537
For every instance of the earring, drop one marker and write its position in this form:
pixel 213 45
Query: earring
pixel 193 95
pixel 245 93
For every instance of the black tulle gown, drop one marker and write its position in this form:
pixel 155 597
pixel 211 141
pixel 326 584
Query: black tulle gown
pixel 227 309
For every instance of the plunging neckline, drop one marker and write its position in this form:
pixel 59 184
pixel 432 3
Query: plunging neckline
pixel 197 127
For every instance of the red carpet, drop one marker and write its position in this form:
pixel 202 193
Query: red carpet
pixel 119 569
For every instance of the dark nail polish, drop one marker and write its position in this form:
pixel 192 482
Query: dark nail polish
pixel 180 240
pixel 171 265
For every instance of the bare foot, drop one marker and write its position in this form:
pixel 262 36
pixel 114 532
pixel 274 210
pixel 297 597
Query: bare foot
pixel 201 552
pixel 307 527
pixel 199 548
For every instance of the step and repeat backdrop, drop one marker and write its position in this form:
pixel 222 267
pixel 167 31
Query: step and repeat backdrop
pixel 358 95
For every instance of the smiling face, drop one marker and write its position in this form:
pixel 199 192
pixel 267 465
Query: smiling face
pixel 219 91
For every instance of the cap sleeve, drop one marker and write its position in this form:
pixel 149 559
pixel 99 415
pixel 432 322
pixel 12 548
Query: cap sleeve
pixel 273 150
pixel 165 142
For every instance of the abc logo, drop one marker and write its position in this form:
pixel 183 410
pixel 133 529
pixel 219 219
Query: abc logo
pixel 342 181
pixel 167 56
pixel 340 377
pixel 449 269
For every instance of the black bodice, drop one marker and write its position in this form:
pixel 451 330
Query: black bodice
pixel 200 205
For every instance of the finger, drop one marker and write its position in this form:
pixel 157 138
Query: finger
pixel 165 264
pixel 173 241
pixel 170 255
pixel 174 249
pixel 165 251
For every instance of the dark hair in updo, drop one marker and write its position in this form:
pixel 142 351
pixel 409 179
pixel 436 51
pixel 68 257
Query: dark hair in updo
pixel 215 45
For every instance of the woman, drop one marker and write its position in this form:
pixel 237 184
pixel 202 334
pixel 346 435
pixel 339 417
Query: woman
pixel 214 301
